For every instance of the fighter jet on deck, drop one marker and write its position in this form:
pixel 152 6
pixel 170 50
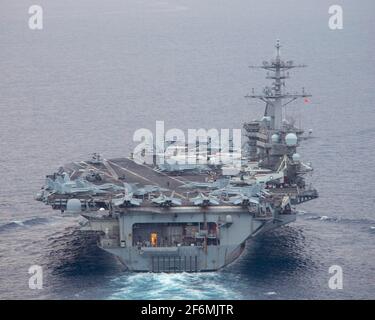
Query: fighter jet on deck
pixel 126 201
pixel 243 199
pixel 204 201
pixel 62 184
pixel 165 201
pixel 221 183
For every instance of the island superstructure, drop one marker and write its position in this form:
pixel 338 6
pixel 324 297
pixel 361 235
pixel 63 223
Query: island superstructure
pixel 190 218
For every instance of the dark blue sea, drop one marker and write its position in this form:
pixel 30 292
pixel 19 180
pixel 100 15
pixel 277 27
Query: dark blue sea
pixel 99 70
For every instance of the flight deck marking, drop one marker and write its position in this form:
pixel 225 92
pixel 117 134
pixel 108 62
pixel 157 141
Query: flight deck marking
pixel 73 172
pixel 162 173
pixel 144 178
pixel 91 166
pixel 110 169
pixel 133 173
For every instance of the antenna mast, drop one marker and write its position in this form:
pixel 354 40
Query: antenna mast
pixel 273 96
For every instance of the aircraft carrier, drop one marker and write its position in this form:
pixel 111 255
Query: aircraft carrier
pixel 157 217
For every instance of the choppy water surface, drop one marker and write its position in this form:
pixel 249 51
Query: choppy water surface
pixel 99 70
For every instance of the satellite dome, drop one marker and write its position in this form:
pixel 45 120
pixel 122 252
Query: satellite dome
pixel 73 205
pixel 275 138
pixel 228 219
pixel 291 139
pixel 296 157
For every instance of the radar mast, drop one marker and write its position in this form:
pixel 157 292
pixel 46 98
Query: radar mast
pixel 275 96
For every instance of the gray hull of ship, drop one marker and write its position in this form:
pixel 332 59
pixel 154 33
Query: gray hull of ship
pixel 188 258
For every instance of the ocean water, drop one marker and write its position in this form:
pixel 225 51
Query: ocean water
pixel 99 70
